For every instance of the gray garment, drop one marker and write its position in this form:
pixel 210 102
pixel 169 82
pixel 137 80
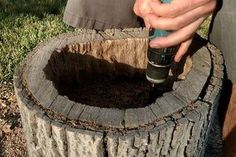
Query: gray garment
pixel 223 35
pixel 100 14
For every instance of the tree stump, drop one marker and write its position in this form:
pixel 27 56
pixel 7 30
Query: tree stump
pixel 85 94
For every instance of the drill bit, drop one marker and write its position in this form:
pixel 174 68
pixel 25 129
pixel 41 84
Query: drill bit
pixel 153 93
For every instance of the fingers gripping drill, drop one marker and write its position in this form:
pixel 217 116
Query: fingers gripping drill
pixel 159 60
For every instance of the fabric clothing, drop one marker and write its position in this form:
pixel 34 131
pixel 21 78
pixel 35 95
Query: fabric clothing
pixel 100 14
pixel 223 35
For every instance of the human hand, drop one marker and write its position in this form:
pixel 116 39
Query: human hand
pixel 183 17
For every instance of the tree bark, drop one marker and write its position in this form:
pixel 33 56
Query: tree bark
pixel 177 124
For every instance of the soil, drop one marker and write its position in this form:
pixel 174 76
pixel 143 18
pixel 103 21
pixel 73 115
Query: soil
pixel 12 142
pixel 113 94
pixel 107 93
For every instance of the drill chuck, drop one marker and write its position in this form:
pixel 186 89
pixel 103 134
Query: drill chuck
pixel 159 62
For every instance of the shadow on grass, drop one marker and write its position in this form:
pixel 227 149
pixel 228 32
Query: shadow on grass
pixel 33 7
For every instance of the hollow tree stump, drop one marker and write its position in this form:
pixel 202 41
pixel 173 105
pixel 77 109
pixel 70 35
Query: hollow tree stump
pixel 85 94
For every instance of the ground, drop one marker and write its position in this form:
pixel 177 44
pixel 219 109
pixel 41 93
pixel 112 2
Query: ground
pixel 12 142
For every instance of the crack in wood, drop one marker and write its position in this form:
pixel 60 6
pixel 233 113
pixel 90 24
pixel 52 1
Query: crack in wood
pixel 105 144
pixel 148 143
pixel 81 112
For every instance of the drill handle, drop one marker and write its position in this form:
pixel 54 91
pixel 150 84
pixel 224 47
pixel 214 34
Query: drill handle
pixel 153 33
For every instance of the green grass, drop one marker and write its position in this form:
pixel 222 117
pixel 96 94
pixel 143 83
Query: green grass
pixel 204 28
pixel 25 23
pixel 33 7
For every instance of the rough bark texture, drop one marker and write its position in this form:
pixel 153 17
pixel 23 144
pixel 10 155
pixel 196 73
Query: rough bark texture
pixel 176 124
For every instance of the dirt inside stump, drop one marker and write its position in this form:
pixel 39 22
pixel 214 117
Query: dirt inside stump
pixel 100 82
pixel 109 94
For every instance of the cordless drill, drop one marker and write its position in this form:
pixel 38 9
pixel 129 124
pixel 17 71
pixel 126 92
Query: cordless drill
pixel 159 59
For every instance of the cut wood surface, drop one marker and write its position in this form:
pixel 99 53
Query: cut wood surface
pixel 58 124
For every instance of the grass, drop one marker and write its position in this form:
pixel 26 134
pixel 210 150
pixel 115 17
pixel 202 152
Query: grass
pixel 25 23
pixel 204 28
pixel 19 35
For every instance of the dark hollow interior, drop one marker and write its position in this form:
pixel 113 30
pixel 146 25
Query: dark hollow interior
pixel 86 79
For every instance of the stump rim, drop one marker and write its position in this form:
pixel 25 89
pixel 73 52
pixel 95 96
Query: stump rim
pixel 20 85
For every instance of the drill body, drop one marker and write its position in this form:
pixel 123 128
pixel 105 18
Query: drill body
pixel 159 60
